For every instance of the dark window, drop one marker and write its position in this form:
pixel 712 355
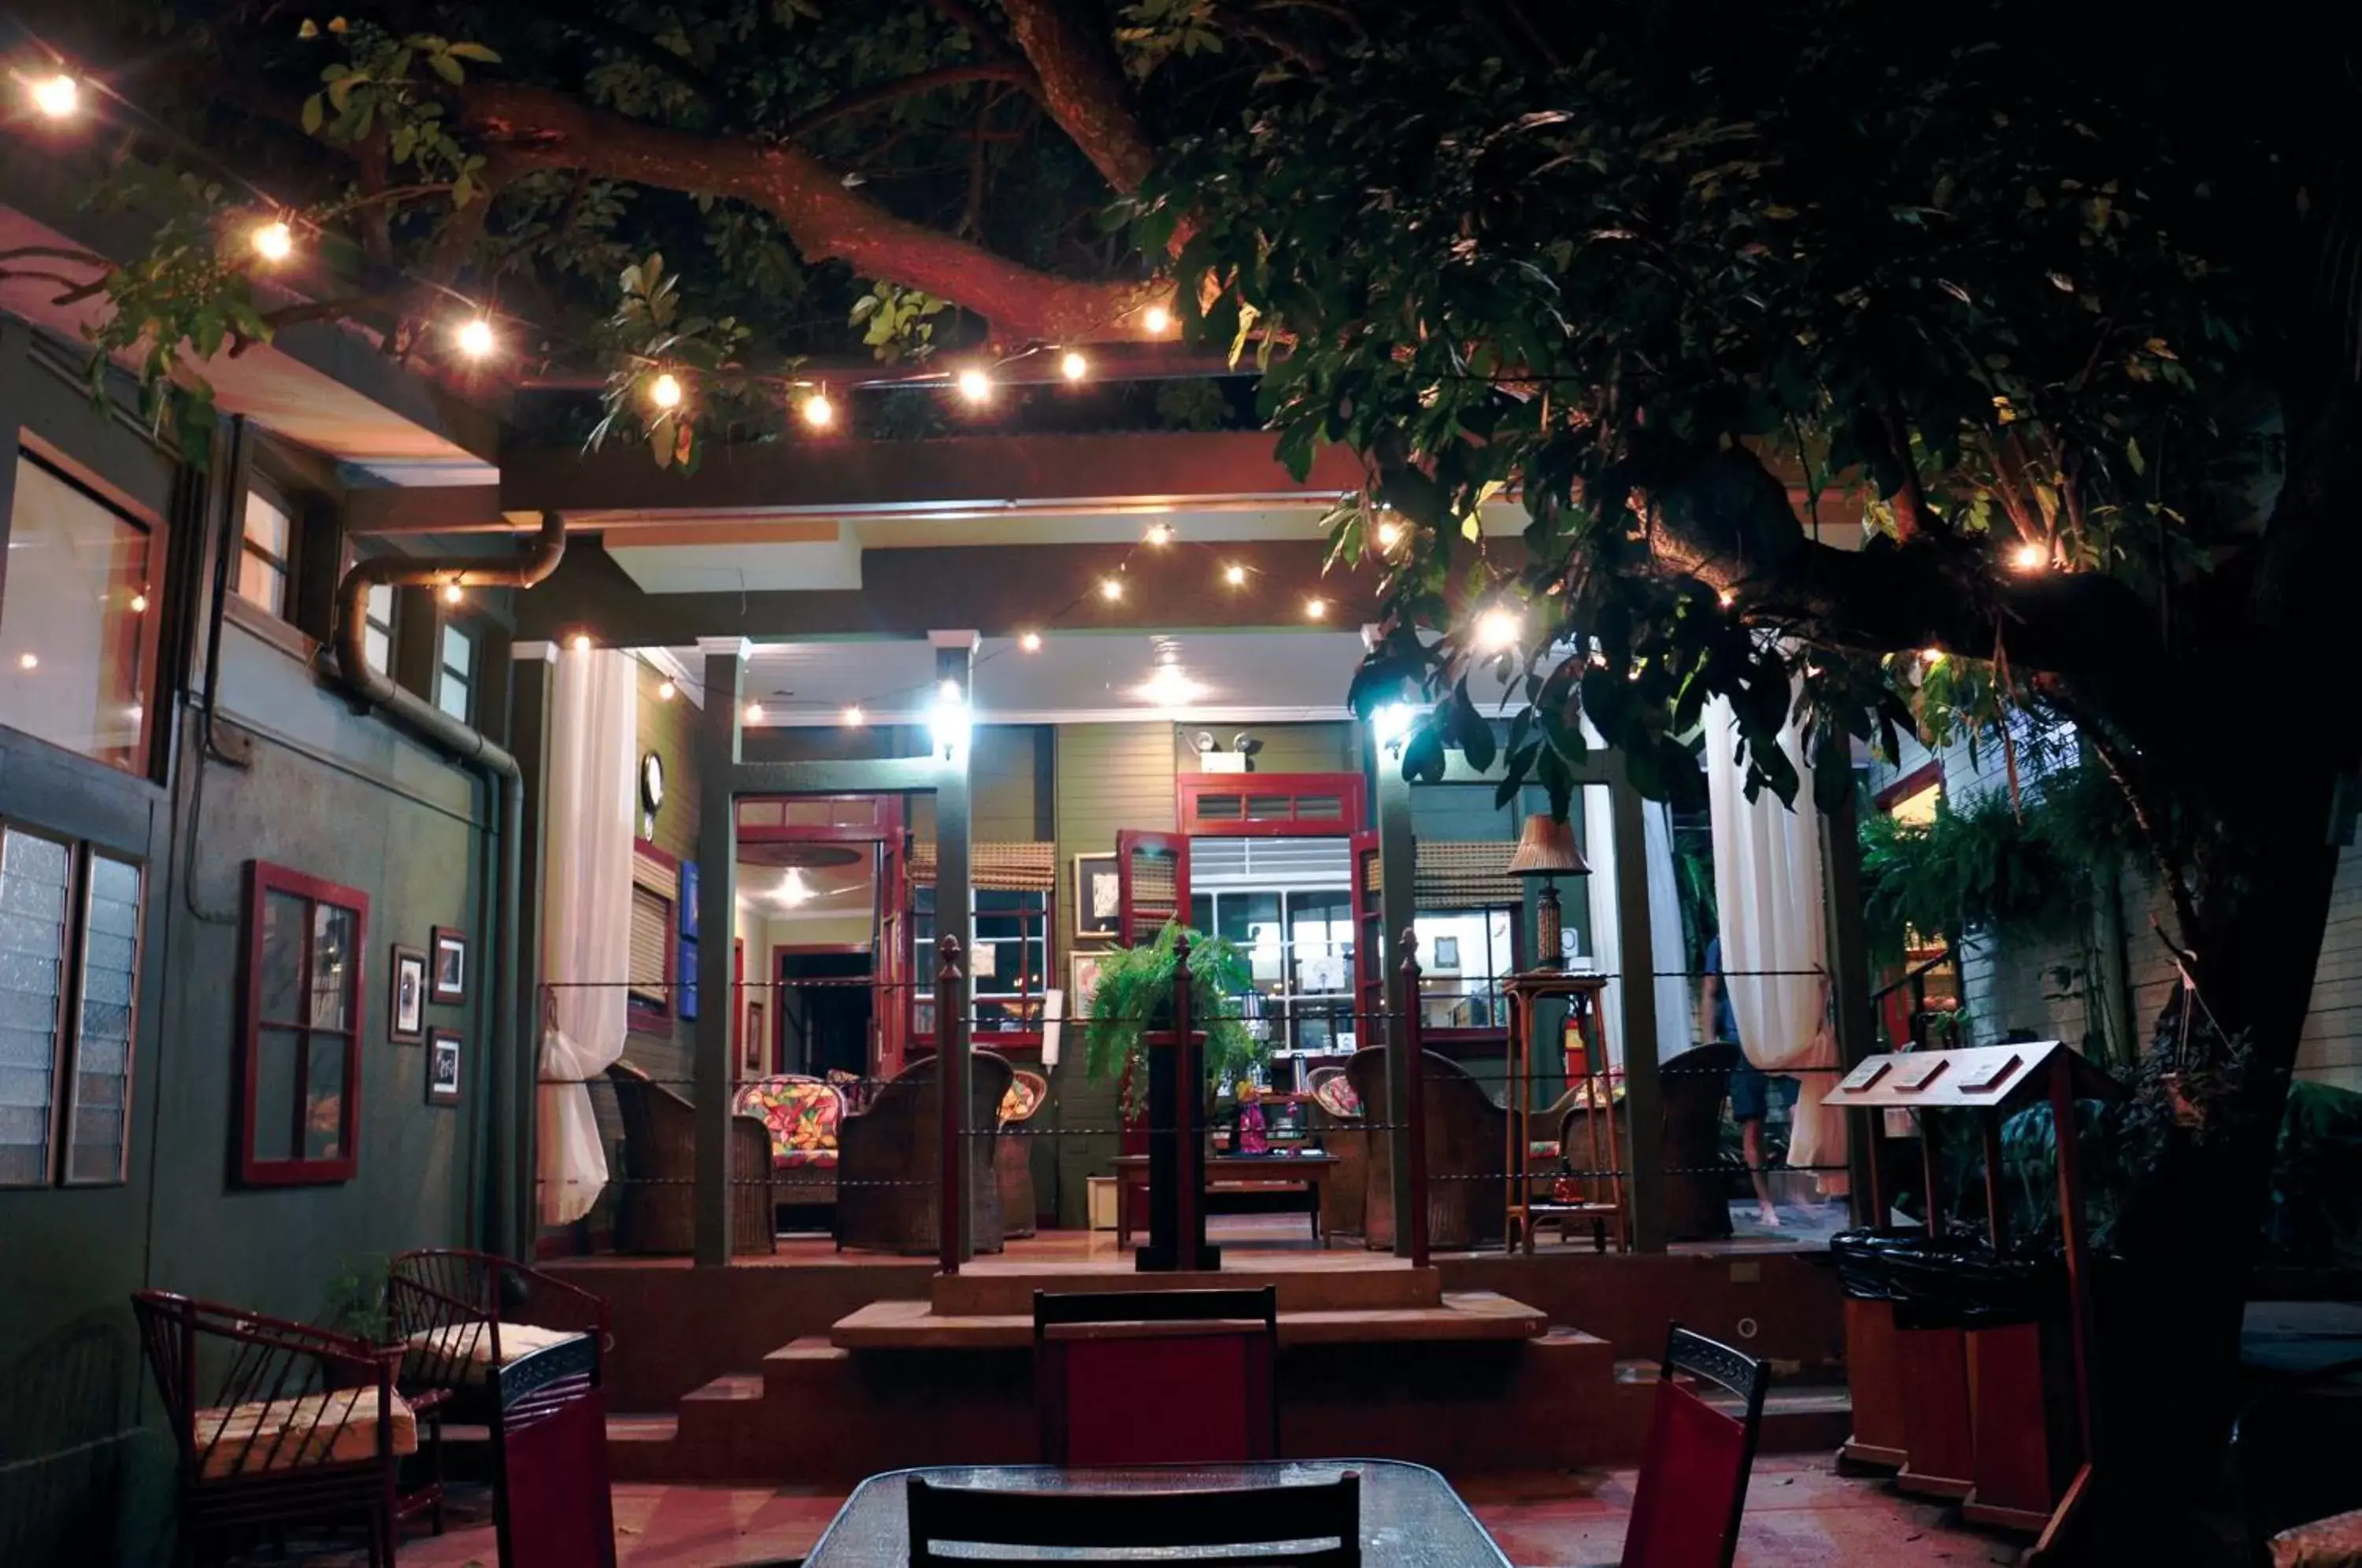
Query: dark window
pixel 72 677
pixel 301 1091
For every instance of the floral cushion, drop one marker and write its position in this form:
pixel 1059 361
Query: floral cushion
pixel 802 1115
pixel 1025 1096
pixel 1335 1095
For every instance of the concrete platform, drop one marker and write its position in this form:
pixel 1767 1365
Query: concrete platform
pixel 1457 1315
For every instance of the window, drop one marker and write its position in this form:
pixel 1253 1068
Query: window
pixel 69 976
pixel 1465 955
pixel 301 1105
pixel 377 627
pixel 455 673
pixel 1008 954
pixel 1300 949
pixel 656 894
pixel 267 560
pixel 72 678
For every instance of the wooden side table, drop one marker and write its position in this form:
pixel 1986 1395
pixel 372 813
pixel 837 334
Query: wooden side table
pixel 1582 995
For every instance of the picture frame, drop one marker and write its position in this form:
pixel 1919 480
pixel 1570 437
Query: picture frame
pixel 405 1019
pixel 1447 952
pixel 442 1067
pixel 447 966
pixel 758 1042
pixel 1087 981
pixel 1098 896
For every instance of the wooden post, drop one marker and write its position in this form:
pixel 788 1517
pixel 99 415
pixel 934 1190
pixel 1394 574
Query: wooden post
pixel 1177 1154
pixel 1643 1101
pixel 1849 988
pixel 954 912
pixel 950 999
pixel 1411 1224
pixel 718 755
pixel 2065 1136
pixel 1397 909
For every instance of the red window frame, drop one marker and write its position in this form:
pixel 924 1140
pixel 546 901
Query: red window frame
pixel 263 879
pixel 1189 790
pixel 657 1017
pixel 923 982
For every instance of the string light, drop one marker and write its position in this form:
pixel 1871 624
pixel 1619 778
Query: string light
pixel 1499 629
pixel 1316 609
pixel 1111 589
pixel 1030 642
pixel 581 642
pixel 57 96
pixel 274 241
pixel 1157 320
pixel 139 604
pixel 1389 534
pixel 1235 575
pixel 667 691
pixel 854 717
pixel 475 338
pixel 2029 557
pixel 453 593
pixel 664 392
pixel 1160 533
pixel 817 411
pixel 1932 657
pixel 1727 598
pixel 753 713
pixel 1073 366
pixel 975 385
pixel 28 661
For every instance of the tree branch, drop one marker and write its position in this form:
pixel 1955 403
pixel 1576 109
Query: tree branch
pixel 826 220
pixel 863 99
pixel 1083 88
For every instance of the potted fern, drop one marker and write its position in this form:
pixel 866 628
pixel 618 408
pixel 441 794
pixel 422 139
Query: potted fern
pixel 1133 998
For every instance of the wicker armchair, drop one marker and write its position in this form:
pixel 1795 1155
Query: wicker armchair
pixel 1334 1112
pixel 889 1163
pixel 1691 1088
pixel 1012 1155
pixel 1467 1136
pixel 655 1206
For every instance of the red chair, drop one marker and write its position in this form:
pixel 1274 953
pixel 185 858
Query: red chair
pixel 277 1423
pixel 1204 1361
pixel 1693 1489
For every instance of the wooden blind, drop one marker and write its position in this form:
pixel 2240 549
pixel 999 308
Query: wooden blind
pixel 1464 876
pixel 656 891
pixel 1022 866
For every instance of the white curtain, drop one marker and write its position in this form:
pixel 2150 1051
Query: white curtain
pixel 1673 1005
pixel 587 915
pixel 1766 884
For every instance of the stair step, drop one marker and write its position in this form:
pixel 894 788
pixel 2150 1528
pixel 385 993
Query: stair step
pixel 1457 1315
pixel 730 1386
pixel 643 1428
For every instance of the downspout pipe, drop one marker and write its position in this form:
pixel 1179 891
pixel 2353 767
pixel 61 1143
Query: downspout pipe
pixel 465 743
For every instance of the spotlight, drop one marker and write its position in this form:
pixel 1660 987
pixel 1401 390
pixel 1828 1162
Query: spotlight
pixel 664 392
pixel 1073 366
pixel 475 337
pixel 1157 320
pixel 2029 557
pixel 274 241
pixel 1390 722
pixel 975 385
pixel 950 720
pixel 1111 589
pixel 57 96
pixel 1030 642
pixel 1235 575
pixel 817 411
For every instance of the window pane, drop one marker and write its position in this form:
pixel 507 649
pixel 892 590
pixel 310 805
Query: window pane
pixel 284 917
pixel 376 647
pixel 262 584
pixel 378 611
pixel 70 677
pixel 452 695
pixel 35 873
pixel 332 966
pixel 324 1116
pixel 268 528
pixel 274 1092
pixel 459 651
pixel 110 966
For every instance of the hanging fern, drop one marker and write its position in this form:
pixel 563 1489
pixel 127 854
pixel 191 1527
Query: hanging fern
pixel 1133 997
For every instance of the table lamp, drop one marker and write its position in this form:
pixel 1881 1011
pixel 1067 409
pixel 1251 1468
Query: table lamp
pixel 1546 849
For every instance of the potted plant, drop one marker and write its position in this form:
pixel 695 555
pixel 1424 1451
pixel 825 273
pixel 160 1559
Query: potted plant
pixel 1133 998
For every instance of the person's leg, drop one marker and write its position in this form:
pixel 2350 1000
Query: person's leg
pixel 1749 1102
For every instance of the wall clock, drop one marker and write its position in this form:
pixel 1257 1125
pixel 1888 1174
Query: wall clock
pixel 651 783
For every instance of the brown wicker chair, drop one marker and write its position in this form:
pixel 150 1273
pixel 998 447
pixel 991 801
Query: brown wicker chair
pixel 1012 1153
pixel 1466 1136
pixel 656 1202
pixel 1691 1088
pixel 1335 1115
pixel 889 1163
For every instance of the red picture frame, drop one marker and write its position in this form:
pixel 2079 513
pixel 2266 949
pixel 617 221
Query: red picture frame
pixel 264 879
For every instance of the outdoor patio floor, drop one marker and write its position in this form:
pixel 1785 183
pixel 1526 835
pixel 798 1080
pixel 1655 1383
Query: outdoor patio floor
pixel 1799 1511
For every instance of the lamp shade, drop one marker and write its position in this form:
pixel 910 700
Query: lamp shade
pixel 1547 849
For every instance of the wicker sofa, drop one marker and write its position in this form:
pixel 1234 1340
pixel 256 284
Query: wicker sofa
pixel 889 1162
pixel 803 1115
pixel 1334 1111
pixel 656 1200
pixel 1467 1133
pixel 1013 1155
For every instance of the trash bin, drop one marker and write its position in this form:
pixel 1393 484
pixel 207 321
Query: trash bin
pixel 1902 1282
pixel 2022 1386
pixel 1874 1356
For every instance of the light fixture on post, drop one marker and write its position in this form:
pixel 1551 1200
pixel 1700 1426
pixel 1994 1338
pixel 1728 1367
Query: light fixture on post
pixel 950 720
pixel 1547 850
pixel 1390 724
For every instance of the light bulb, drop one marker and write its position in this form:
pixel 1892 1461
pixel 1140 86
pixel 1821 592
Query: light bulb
pixel 2029 557
pixel 1316 609
pixel 667 691
pixel 950 720
pixel 817 411
pixel 1157 320
pixel 975 385
pixel 1390 535
pixel 57 96
pixel 1727 598
pixel 1932 657
pixel 854 717
pixel 274 241
pixel 1073 366
pixel 453 593
pixel 475 337
pixel 1235 575
pixel 1030 642
pixel 139 604
pixel 1160 533
pixel 753 713
pixel 28 661
pixel 1390 722
pixel 947 691
pixel 581 642
pixel 664 392
pixel 1499 629
pixel 1111 589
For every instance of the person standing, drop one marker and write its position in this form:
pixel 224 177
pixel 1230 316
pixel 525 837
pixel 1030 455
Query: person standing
pixel 1750 1089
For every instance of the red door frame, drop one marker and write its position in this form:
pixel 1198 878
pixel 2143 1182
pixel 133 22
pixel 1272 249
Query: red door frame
pixel 890 906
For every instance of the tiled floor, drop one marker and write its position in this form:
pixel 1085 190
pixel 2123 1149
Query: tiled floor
pixel 1798 1512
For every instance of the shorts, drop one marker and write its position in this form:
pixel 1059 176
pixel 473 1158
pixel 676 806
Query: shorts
pixel 1752 1090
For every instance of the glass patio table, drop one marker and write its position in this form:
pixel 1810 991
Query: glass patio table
pixel 1410 1515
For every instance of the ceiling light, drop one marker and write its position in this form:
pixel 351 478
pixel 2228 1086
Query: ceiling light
pixel 975 385
pixel 1111 589
pixel 58 97
pixel 274 241
pixel 792 888
pixel 1160 533
pixel 854 717
pixel 667 691
pixel 453 593
pixel 1316 609
pixel 1170 687
pixel 817 411
pixel 1235 575
pixel 1030 642
pixel 753 713
pixel 1389 534
pixel 664 392
pixel 2029 557
pixel 1073 366
pixel 1157 320
pixel 475 337
pixel 1499 629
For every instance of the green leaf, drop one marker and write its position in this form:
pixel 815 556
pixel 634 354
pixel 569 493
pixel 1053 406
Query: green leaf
pixel 314 115
pixel 482 53
pixel 448 68
pixel 1471 730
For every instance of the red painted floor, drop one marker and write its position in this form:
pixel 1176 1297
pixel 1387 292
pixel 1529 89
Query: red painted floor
pixel 1799 1511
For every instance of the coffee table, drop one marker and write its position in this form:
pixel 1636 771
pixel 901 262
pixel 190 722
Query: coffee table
pixel 1228 1170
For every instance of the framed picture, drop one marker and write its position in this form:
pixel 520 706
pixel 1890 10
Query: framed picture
pixel 688 901
pixel 1447 952
pixel 1087 981
pixel 405 1021
pixel 448 957
pixel 442 1067
pixel 1098 898
pixel 758 1042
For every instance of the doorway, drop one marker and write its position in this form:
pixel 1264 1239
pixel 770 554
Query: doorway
pixel 824 1011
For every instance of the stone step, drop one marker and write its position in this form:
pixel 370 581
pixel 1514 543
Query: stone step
pixel 1333 1281
pixel 1458 1315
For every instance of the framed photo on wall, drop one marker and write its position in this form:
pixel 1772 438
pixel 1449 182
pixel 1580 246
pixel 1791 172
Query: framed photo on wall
pixel 448 965
pixel 405 1021
pixel 442 1067
pixel 1087 981
pixel 1098 898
